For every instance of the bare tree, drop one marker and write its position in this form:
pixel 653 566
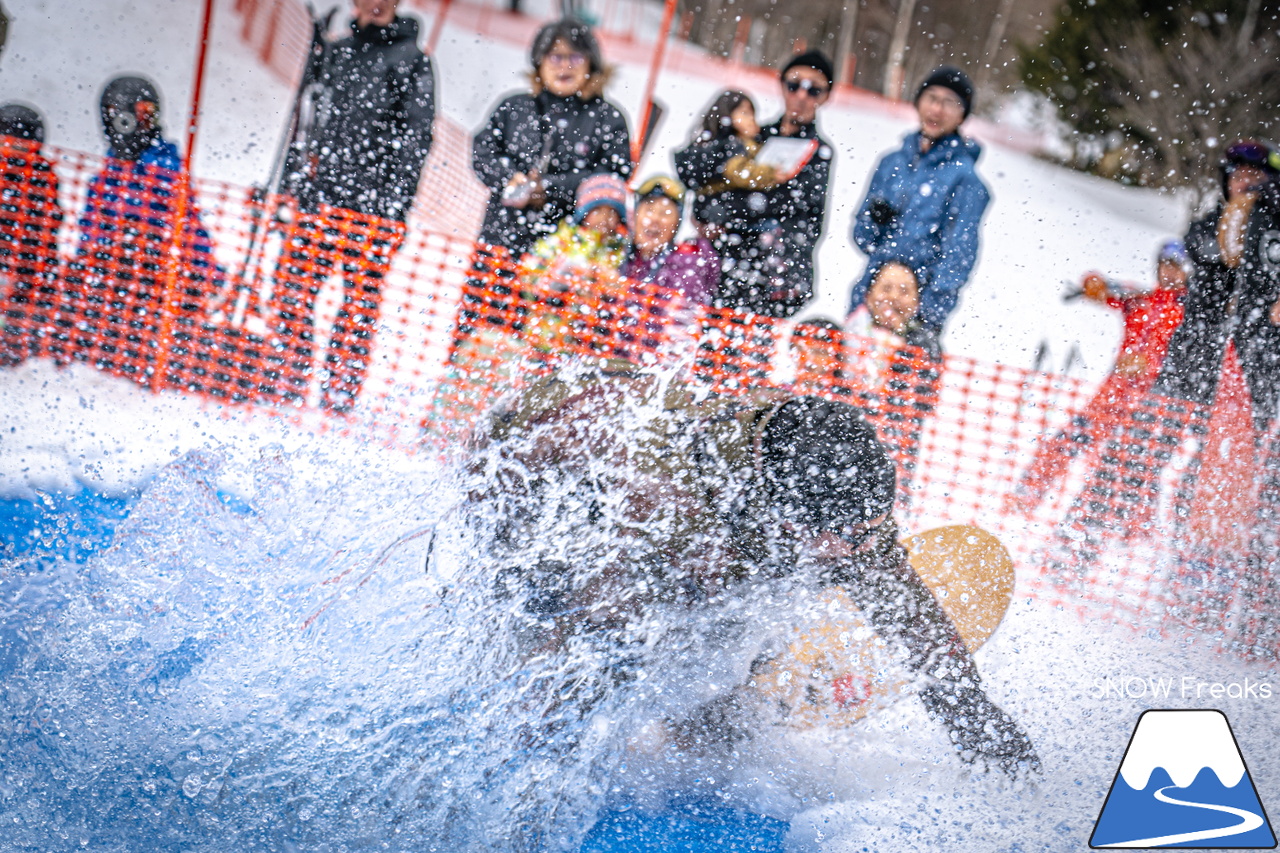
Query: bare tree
pixel 1183 100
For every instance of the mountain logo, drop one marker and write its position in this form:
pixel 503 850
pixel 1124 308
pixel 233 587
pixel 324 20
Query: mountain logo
pixel 1183 783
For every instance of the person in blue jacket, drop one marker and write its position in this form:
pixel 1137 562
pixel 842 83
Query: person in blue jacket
pixel 118 285
pixel 926 201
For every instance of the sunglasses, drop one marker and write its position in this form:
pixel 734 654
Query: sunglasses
pixel 813 90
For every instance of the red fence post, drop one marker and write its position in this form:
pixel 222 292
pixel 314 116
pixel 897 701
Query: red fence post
pixel 637 144
pixel 174 261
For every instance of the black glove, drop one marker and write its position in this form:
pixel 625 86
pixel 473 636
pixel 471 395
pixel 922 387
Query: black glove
pixel 881 212
pixel 980 729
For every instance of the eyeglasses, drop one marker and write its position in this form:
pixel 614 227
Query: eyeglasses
pixel 573 60
pixel 1250 153
pixel 941 100
pixel 813 90
pixel 663 186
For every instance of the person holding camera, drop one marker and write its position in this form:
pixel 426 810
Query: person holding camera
pixel 926 201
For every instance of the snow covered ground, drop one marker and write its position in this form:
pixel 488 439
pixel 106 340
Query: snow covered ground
pixel 168 692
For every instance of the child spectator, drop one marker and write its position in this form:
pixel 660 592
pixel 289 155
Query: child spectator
pixel 29 221
pixel 720 162
pixel 594 239
pixel 586 250
pixel 691 268
pixel 817 349
pixel 1150 319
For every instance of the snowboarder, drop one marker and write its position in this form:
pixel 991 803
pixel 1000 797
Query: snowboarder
pixel 699 494
pixel 925 201
pixel 1150 318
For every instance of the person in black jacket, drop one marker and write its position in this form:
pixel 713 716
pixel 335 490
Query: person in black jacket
pixel 1234 291
pixel 537 147
pixel 769 229
pixel 372 105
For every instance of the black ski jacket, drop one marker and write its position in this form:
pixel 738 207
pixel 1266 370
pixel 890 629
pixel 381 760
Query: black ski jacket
pixel 368 137
pixel 577 138
pixel 1194 363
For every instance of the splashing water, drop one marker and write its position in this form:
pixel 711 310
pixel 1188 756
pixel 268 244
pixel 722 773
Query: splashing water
pixel 279 673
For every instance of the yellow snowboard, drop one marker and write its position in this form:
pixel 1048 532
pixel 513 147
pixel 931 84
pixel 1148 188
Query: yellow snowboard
pixel 836 672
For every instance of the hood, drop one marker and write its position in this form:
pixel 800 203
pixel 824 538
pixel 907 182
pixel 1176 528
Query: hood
pixel 401 29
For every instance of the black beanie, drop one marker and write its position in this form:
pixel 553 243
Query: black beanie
pixel 22 122
pixel 950 77
pixel 824 467
pixel 815 59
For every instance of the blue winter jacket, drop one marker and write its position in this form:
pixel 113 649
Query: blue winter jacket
pixel 938 200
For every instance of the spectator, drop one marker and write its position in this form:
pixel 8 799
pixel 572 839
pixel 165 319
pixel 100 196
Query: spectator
pixel 29 220
pixel 585 251
pixel 722 154
pixel 594 239
pixel 118 285
pixel 692 268
pixel 1150 319
pixel 926 201
pixel 890 314
pixel 768 229
pixel 538 147
pixel 354 173
pixel 1234 291
pixel 896 362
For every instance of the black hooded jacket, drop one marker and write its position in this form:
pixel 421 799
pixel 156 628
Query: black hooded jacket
pixel 370 132
pixel 1194 364
pixel 576 137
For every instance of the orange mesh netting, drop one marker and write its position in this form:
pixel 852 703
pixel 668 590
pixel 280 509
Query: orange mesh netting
pixel 1155 513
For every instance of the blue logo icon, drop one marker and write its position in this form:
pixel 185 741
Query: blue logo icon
pixel 1183 783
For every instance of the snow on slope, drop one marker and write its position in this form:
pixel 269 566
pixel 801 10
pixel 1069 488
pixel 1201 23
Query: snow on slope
pixel 1183 743
pixel 1046 224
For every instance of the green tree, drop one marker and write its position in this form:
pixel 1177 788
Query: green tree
pixel 1152 90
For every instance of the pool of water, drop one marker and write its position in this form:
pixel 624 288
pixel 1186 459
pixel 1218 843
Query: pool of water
pixel 192 667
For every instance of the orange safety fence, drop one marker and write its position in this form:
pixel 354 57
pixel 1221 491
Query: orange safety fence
pixel 1160 514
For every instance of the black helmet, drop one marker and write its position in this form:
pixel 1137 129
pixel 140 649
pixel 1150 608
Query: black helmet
pixel 824 467
pixel 22 122
pixel 576 33
pixel 130 109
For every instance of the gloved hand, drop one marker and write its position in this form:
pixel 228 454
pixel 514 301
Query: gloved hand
pixel 981 731
pixel 882 213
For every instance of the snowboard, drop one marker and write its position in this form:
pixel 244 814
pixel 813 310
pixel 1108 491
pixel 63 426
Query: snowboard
pixel 837 670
